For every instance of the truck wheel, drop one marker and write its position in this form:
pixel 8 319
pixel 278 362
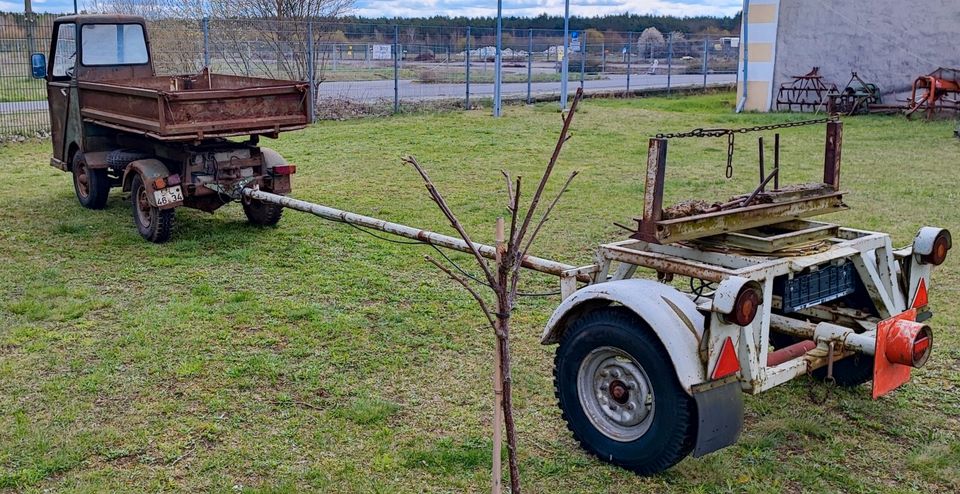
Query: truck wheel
pixel 619 393
pixel 261 213
pixel 849 372
pixel 91 185
pixel 153 223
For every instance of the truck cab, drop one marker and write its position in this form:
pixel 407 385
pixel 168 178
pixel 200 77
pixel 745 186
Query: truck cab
pixel 163 139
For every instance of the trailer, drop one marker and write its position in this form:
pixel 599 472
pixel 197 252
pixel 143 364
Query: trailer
pixel 647 373
pixel 162 139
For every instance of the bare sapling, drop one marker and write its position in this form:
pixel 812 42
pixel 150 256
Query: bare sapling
pixel 502 278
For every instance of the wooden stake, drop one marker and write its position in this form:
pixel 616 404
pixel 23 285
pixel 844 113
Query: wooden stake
pixel 495 486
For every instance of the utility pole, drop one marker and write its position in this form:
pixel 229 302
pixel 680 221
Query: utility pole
pixel 565 67
pixel 28 15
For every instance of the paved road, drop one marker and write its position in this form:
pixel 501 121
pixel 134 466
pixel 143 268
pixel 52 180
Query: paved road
pixel 371 91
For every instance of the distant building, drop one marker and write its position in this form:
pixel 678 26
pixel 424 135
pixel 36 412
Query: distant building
pixel 888 42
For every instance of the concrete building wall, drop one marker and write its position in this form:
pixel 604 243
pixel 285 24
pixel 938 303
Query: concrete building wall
pixel 888 42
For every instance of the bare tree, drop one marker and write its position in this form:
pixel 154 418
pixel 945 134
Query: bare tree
pixel 650 39
pixel 504 276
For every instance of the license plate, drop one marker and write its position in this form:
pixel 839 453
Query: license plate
pixel 168 196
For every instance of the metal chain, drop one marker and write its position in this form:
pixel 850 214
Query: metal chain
pixel 730 139
pixel 731 134
pixel 743 130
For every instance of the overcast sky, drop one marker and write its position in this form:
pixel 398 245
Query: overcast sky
pixel 530 8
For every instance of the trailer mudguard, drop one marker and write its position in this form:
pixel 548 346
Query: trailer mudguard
pixel 671 314
pixel 149 170
pixel 680 327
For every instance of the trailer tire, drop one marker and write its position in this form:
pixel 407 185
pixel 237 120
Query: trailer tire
pixel 847 372
pixel 153 224
pixel 260 213
pixel 92 186
pixel 594 354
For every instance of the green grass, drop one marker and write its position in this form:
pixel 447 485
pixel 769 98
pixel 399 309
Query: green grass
pixel 312 357
pixel 14 89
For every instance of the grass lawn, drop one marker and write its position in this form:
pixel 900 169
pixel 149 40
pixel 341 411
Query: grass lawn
pixel 313 357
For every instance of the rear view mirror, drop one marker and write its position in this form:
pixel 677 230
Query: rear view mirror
pixel 38 66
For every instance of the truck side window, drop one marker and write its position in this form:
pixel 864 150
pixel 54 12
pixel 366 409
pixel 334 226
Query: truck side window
pixel 113 44
pixel 65 54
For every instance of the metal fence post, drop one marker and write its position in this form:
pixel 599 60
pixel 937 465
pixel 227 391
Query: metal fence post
pixel 467 53
pixel 603 57
pixel 396 68
pixel 629 58
pixel 206 41
pixel 311 72
pixel 530 67
pixel 498 69
pixel 669 60
pixel 583 60
pixel 706 53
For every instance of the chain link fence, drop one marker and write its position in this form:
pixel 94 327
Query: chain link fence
pixel 359 69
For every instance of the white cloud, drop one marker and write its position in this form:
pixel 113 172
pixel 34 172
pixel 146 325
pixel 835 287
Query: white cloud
pixel 531 8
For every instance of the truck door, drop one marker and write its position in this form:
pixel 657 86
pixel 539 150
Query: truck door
pixel 60 84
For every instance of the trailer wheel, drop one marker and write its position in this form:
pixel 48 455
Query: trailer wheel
pixel 91 185
pixel 620 395
pixel 153 223
pixel 261 213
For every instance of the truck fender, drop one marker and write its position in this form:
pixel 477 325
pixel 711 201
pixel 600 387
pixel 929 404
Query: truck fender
pixel 149 170
pixel 671 315
pixel 272 158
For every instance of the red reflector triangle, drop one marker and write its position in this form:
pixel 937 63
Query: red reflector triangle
pixel 920 299
pixel 728 363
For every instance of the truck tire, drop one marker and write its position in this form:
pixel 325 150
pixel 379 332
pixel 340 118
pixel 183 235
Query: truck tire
pixel 619 393
pixel 153 223
pixel 260 213
pixel 848 372
pixel 91 186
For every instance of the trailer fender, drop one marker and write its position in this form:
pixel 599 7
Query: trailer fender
pixel 149 170
pixel 669 313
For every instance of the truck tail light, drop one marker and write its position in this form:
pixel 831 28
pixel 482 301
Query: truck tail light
pixel 284 170
pixel 159 183
pixel 941 245
pixel 745 306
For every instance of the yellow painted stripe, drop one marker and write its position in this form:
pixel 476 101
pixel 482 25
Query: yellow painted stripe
pixel 758 95
pixel 762 14
pixel 761 52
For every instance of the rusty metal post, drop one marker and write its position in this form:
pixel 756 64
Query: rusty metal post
pixel 653 189
pixel 831 160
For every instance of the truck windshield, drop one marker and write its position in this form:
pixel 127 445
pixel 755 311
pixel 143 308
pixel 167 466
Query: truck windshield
pixel 113 44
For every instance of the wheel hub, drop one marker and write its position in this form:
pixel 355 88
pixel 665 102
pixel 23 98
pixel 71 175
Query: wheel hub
pixel 143 207
pixel 82 179
pixel 615 394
